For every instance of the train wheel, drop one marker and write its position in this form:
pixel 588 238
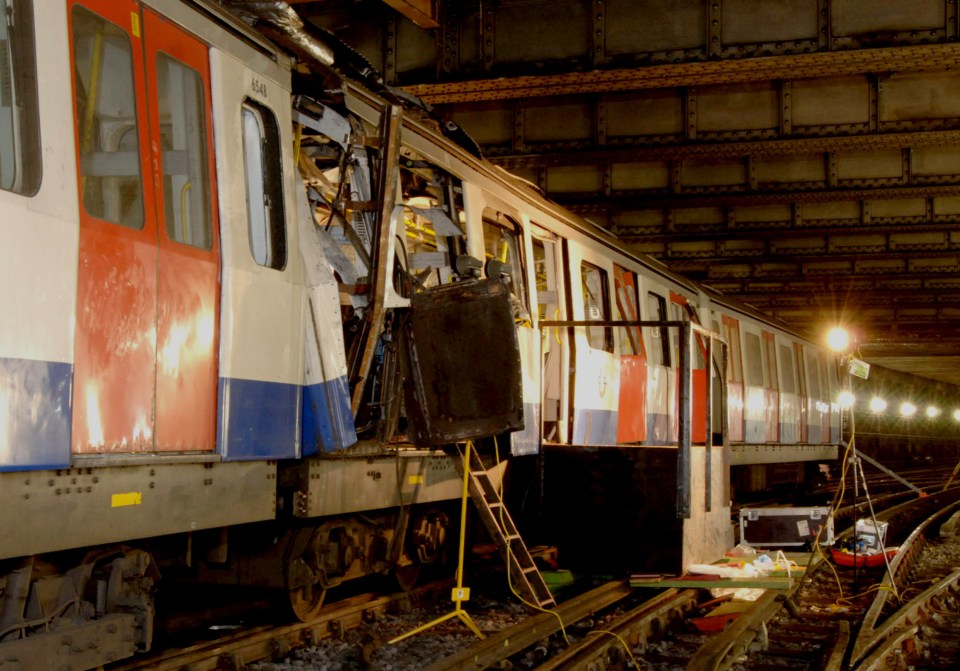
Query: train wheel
pixel 307 602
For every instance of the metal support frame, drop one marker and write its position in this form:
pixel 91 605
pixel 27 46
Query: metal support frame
pixel 386 187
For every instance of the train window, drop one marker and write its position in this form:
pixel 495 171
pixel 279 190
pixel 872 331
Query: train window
pixel 183 142
pixel 264 177
pixel 628 309
pixel 754 360
pixel 660 352
pixel 112 188
pixel 596 305
pixel 19 117
pixel 789 378
pixel 502 243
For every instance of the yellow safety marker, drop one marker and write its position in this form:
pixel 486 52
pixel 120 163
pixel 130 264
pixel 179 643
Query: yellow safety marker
pixel 126 499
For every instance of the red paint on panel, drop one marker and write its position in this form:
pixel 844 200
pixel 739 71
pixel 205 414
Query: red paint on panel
pixel 187 314
pixel 113 392
pixel 632 409
pixel 145 364
pixel 698 424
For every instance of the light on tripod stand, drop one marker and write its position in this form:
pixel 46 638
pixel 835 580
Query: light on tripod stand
pixel 846 399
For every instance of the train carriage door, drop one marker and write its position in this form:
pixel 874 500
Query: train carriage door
pixel 661 376
pixel 800 369
pixel 816 407
pixel 115 339
pixel 755 396
pixel 178 86
pixel 596 371
pixel 771 385
pixel 632 406
pixel 504 260
pixel 145 374
pixel 683 311
pixel 546 260
pixel 790 408
pixel 735 400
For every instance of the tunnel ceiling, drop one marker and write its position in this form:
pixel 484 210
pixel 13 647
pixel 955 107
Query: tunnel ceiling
pixel 802 156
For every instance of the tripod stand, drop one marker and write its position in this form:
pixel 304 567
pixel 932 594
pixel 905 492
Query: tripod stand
pixel 460 593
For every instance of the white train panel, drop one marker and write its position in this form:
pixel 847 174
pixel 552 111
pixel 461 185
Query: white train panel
pixel 38 254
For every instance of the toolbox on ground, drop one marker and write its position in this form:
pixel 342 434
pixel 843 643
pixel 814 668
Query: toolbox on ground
pixel 786 527
pixel 871 536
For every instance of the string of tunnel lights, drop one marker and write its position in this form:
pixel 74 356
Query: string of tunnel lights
pixel 838 340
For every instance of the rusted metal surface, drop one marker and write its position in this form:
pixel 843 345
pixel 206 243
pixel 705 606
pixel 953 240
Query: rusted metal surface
pixel 472 386
pixel 910 58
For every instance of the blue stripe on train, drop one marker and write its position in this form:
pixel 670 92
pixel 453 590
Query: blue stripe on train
pixel 327 418
pixel 595 427
pixel 263 420
pixel 34 414
pixel 257 420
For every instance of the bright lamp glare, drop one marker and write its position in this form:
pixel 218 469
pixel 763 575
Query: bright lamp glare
pixel 908 409
pixel 877 405
pixel 956 415
pixel 933 411
pixel 838 339
pixel 846 399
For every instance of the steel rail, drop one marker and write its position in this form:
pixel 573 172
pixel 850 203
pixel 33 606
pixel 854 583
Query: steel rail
pixel 603 648
pixel 498 647
pixel 901 566
pixel 231 653
pixel 887 639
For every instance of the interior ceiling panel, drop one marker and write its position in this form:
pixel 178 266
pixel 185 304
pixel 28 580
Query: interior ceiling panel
pixel 801 155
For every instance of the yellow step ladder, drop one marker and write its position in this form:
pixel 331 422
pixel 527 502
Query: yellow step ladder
pixel 523 570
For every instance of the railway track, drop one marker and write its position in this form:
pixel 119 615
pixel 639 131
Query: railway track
pixel 233 651
pixel 615 626
pixel 803 628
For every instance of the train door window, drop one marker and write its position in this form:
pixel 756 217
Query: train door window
pixel 596 305
pixel 813 372
pixel 754 360
pixel 770 380
pixel 264 179
pixel 732 333
pixel 19 117
pixel 502 243
pixel 545 277
pixel 683 311
pixel 660 351
pixel 788 376
pixel 433 220
pixel 106 111
pixel 628 309
pixel 826 378
pixel 183 140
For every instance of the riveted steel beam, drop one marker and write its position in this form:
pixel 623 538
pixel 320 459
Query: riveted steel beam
pixel 915 58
